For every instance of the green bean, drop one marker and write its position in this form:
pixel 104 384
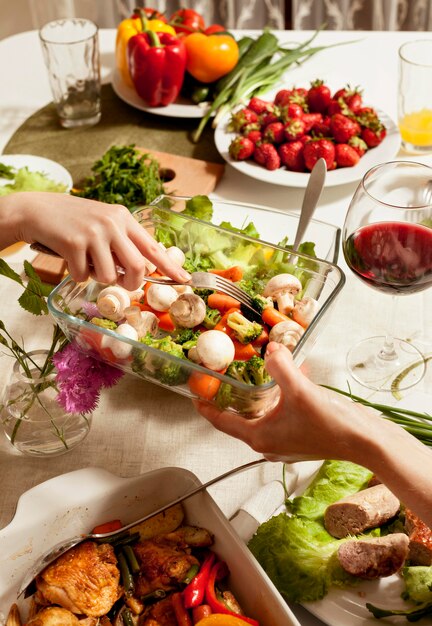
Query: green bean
pixel 126 616
pixel 125 573
pixel 191 573
pixel 131 559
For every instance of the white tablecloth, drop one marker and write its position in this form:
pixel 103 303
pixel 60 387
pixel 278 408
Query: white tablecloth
pixel 137 427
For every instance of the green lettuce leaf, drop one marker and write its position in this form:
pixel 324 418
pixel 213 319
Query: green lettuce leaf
pixel 418 583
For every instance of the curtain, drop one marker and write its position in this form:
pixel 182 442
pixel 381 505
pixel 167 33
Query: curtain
pixel 108 13
pixel 413 15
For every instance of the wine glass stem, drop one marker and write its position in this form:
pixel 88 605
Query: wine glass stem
pixel 388 351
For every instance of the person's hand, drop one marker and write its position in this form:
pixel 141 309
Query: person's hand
pixel 88 232
pixel 309 422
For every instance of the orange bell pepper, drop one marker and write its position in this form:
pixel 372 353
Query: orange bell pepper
pixel 209 57
pixel 127 29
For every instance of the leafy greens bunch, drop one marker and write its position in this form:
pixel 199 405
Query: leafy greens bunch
pixel 123 175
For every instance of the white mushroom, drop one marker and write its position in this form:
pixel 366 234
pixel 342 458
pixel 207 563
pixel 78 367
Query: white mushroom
pixel 283 288
pixel 137 294
pixel 215 350
pixel 183 288
pixel 120 349
pixel 288 333
pixel 143 321
pixel 188 310
pixel 305 310
pixel 193 355
pixel 161 297
pixel 176 255
pixel 112 302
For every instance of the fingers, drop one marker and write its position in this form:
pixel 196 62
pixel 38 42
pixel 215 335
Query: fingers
pixel 157 255
pixel 229 423
pixel 279 364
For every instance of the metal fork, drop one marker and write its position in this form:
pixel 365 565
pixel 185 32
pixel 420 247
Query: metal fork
pixel 208 280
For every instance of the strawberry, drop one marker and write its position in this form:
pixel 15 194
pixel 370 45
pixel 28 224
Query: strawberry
pixel 373 137
pixel 343 127
pixel 294 128
pixel 268 117
pixel 266 154
pixel 274 132
pixel 290 110
pixel 336 106
pixel 241 148
pixel 291 155
pixel 359 145
pixel 242 118
pixel 351 97
pixel 259 106
pixel 322 128
pixel 315 149
pixel 282 98
pixel 318 97
pixel 254 135
pixel 345 155
pixel 310 119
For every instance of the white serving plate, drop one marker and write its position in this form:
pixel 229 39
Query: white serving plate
pixel 74 503
pixel 181 108
pixel 385 151
pixel 52 169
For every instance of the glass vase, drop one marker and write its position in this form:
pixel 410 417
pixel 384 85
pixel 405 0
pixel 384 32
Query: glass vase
pixel 33 420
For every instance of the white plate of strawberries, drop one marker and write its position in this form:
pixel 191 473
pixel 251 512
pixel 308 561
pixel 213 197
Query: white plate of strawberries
pixel 278 138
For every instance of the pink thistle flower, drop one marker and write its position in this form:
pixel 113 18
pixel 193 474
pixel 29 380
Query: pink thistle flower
pixel 80 378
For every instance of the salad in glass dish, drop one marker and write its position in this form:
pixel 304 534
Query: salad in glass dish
pixel 202 343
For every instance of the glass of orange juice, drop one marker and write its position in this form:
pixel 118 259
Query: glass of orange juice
pixel 415 95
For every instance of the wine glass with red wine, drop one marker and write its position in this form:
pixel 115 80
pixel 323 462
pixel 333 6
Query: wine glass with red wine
pixel 387 243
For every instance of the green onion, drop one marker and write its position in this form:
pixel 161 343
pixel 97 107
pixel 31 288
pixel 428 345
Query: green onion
pixel 412 421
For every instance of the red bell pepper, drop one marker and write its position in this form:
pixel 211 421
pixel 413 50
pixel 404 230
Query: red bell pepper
pixel 193 594
pixel 214 599
pixel 157 63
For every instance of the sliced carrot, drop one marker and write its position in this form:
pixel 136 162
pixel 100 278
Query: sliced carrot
pixel 165 321
pixel 108 527
pixel 243 352
pixel 262 339
pixel 234 273
pixel 203 385
pixel 272 316
pixel 148 283
pixel 222 302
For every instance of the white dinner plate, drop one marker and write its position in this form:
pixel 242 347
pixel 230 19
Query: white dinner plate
pixel 73 503
pixel 347 607
pixel 50 168
pixel 181 108
pixel 385 151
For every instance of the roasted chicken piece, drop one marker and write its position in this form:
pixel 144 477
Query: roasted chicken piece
pixel 420 536
pixel 160 614
pixel 84 580
pixel 165 559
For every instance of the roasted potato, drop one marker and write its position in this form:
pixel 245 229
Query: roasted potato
pixel 165 522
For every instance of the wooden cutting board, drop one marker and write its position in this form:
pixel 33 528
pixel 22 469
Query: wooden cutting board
pixel 185 176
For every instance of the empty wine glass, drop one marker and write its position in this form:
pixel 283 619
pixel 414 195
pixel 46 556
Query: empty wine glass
pixel 387 243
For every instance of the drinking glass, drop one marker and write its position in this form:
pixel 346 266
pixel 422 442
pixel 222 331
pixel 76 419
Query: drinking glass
pixel 414 95
pixel 71 52
pixel 387 243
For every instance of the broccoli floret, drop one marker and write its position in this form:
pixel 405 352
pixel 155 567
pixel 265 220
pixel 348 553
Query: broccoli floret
pixel 166 371
pixel 187 338
pixel 256 371
pixel 103 323
pixel 260 303
pixel 203 293
pixel 237 370
pixel 212 317
pixel 244 330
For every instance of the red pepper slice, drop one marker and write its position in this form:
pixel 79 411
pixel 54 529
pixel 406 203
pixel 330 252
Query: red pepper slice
pixel 157 63
pixel 218 572
pixel 193 594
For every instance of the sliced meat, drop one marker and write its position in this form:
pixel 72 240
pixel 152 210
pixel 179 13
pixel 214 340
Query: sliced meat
pixel 420 537
pixel 374 557
pixel 368 508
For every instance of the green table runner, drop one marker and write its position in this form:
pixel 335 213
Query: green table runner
pixel 77 149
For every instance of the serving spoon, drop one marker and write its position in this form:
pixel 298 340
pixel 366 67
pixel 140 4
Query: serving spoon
pixel 27 586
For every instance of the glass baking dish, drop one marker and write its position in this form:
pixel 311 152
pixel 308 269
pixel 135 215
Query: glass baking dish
pixel 322 278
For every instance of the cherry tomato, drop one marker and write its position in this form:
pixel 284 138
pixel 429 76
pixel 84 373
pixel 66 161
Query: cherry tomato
pixel 152 14
pixel 187 21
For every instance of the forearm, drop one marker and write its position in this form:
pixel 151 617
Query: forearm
pixel 11 216
pixel 401 462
